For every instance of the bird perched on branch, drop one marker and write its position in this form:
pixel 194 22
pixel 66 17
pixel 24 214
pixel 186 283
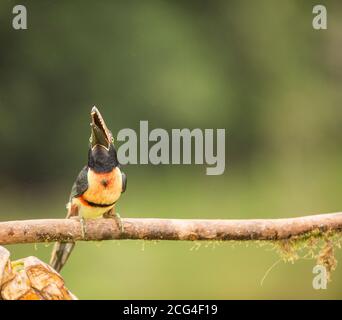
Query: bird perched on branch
pixel 97 187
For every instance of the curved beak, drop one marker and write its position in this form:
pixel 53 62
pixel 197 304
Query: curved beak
pixel 100 135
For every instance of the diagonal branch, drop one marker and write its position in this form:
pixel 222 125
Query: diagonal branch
pixel 49 230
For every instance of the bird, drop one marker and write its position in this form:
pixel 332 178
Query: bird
pixel 97 187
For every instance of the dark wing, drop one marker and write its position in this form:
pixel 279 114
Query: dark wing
pixel 124 182
pixel 81 184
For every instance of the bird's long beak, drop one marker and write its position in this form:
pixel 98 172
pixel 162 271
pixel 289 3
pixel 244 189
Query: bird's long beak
pixel 100 135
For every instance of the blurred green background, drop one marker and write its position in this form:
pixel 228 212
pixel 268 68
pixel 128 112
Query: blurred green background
pixel 258 69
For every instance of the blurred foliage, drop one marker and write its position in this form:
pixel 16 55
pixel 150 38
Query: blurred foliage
pixel 257 69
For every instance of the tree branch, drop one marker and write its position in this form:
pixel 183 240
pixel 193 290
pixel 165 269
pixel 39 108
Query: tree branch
pixel 49 230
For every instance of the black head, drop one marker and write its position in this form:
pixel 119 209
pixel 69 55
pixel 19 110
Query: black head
pixel 102 155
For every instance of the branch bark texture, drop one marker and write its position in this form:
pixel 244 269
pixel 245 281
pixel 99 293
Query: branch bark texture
pixel 67 230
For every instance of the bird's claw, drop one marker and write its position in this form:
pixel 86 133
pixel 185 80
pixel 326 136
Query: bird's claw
pixel 83 228
pixel 83 225
pixel 116 216
pixel 119 222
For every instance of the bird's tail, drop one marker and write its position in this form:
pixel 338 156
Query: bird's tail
pixel 60 254
pixel 62 250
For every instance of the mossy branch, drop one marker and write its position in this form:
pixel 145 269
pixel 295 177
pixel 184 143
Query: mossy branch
pixel 50 230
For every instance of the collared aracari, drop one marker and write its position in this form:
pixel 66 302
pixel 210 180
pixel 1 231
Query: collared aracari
pixel 97 187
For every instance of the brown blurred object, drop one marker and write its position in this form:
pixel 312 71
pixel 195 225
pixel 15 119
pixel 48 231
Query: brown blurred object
pixel 30 279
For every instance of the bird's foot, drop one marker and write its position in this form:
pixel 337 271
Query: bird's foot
pixel 83 225
pixel 116 216
pixel 83 228
pixel 119 222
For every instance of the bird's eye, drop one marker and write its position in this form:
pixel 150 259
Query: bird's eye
pixel 112 139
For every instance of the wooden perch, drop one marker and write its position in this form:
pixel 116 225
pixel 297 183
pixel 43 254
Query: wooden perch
pixel 50 230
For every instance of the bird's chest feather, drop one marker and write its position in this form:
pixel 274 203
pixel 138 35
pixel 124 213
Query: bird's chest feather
pixel 103 188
